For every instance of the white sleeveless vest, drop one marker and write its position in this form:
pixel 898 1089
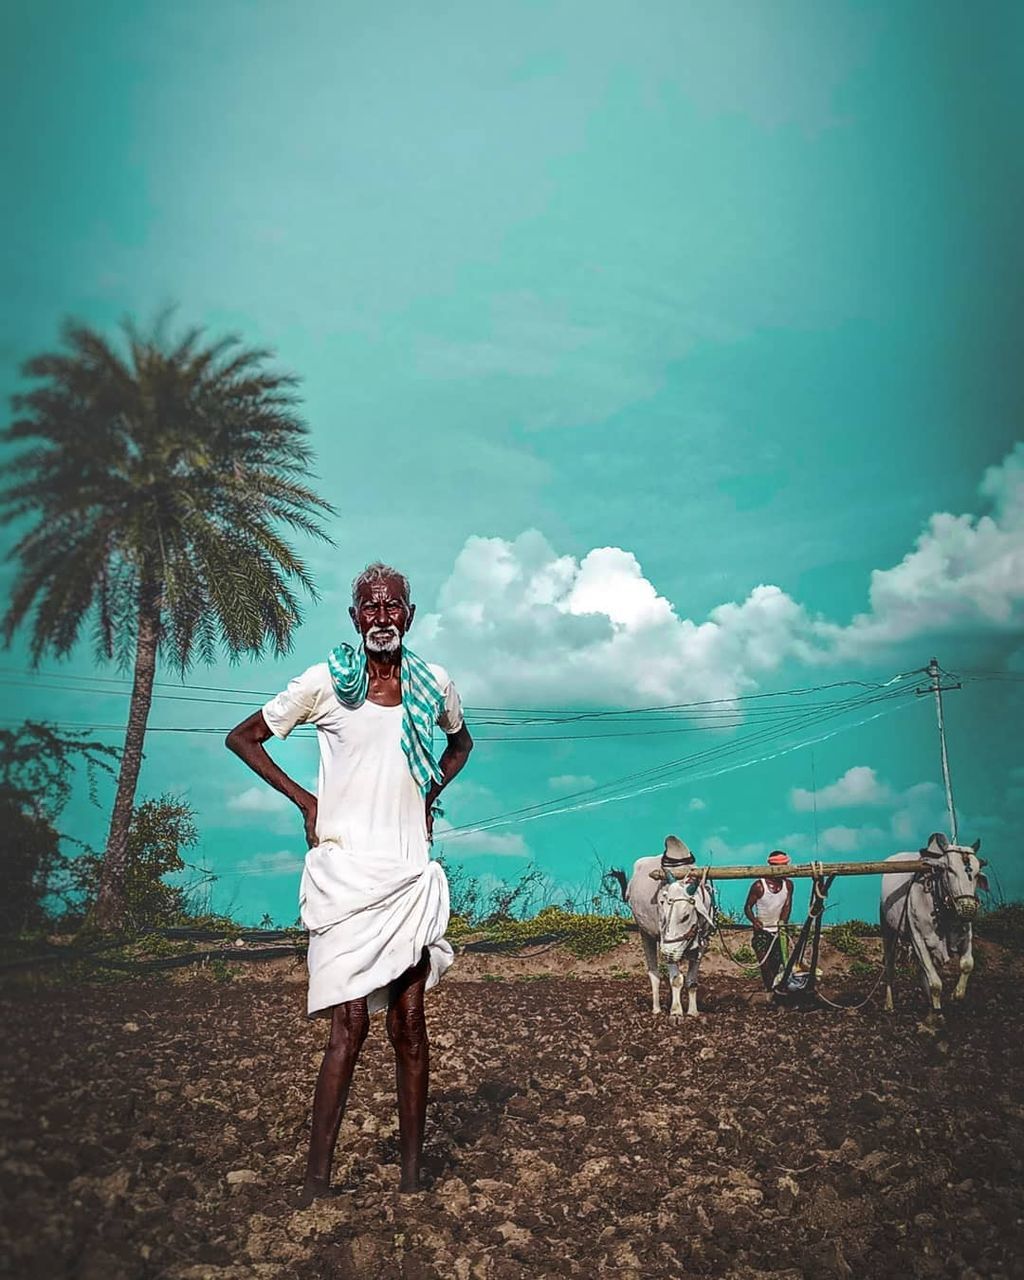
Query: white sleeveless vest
pixel 770 906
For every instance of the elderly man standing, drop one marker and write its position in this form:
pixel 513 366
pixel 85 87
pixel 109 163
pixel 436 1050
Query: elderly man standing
pixel 375 906
pixel 768 908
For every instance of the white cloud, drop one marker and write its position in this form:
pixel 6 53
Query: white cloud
pixel 797 842
pixel 571 782
pixel 965 573
pixel 259 800
pixel 915 813
pixel 697 804
pixel 921 810
pixel 501 844
pixel 283 862
pixel 516 620
pixel 853 839
pixel 465 793
pixel 858 786
pixel 717 849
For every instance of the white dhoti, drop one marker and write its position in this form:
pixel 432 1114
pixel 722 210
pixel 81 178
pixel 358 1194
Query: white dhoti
pixel 370 896
pixel 370 918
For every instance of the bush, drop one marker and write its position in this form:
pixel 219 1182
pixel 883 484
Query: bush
pixel 459 929
pixel 862 928
pixel 30 855
pixel 847 939
pixel 37 766
pixel 1004 925
pixel 583 935
pixel 159 830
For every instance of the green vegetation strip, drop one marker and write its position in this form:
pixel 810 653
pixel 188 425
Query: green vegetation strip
pixel 583 935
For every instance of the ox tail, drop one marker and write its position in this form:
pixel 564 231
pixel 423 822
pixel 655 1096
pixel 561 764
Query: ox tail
pixel 619 878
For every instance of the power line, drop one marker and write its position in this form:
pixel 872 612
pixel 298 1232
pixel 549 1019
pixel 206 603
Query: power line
pixel 707 714
pixel 711 706
pixel 703 715
pixel 723 750
pixel 535 813
pixel 791 718
pixel 461 832
pixel 780 718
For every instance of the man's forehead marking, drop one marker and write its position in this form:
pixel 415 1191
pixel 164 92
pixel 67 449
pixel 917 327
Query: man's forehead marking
pixel 382 589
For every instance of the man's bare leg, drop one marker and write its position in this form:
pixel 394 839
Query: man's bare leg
pixel 349 1025
pixel 407 1031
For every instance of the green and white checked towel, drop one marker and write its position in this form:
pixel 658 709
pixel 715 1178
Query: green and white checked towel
pixel 422 703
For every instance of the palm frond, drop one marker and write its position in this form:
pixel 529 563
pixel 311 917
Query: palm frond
pixel 175 461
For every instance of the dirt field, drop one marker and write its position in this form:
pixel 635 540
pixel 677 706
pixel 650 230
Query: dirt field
pixel 158 1130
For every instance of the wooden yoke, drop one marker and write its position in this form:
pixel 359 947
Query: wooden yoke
pixel 809 870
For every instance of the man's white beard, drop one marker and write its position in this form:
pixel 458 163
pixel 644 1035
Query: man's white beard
pixel 383 642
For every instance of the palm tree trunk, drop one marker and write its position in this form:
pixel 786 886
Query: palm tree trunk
pixel 109 911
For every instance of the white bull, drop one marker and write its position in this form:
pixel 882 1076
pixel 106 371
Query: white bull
pixel 931 912
pixel 678 916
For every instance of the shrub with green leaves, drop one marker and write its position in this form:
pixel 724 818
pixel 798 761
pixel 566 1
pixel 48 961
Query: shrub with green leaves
pixel 1003 924
pixel 847 940
pixel 583 935
pixel 159 830
pixel 38 764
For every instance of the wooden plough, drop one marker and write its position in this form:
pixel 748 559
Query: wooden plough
pixel 812 870
pixel 822 873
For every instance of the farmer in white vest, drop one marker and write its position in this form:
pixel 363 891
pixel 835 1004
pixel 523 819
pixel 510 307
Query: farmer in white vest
pixel 375 906
pixel 768 906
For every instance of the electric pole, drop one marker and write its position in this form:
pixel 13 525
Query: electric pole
pixel 937 688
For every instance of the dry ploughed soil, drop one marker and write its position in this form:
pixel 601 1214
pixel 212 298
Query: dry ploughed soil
pixel 158 1129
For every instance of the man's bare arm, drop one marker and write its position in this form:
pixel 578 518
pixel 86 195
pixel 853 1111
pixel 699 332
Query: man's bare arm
pixel 452 761
pixel 756 890
pixel 246 741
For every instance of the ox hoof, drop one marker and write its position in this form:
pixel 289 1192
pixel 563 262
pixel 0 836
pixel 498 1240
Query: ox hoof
pixel 675 1017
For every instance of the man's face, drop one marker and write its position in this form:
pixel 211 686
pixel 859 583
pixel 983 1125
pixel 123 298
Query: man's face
pixel 382 615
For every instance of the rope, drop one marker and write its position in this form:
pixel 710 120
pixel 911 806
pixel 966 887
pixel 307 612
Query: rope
pixel 742 964
pixel 725 947
pixel 521 955
pixel 860 1005
pixel 878 981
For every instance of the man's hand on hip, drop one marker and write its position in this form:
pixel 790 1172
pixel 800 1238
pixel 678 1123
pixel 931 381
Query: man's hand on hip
pixel 307 803
pixel 429 800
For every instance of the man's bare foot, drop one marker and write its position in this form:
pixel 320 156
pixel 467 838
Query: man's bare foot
pixel 313 1189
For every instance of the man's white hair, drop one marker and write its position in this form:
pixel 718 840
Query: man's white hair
pixel 377 572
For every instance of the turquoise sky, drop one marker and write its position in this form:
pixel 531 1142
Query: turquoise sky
pixel 670 349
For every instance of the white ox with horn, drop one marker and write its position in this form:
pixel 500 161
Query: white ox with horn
pixel 931 911
pixel 677 915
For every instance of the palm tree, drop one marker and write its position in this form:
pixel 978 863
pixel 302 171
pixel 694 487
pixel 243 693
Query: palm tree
pixel 158 477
